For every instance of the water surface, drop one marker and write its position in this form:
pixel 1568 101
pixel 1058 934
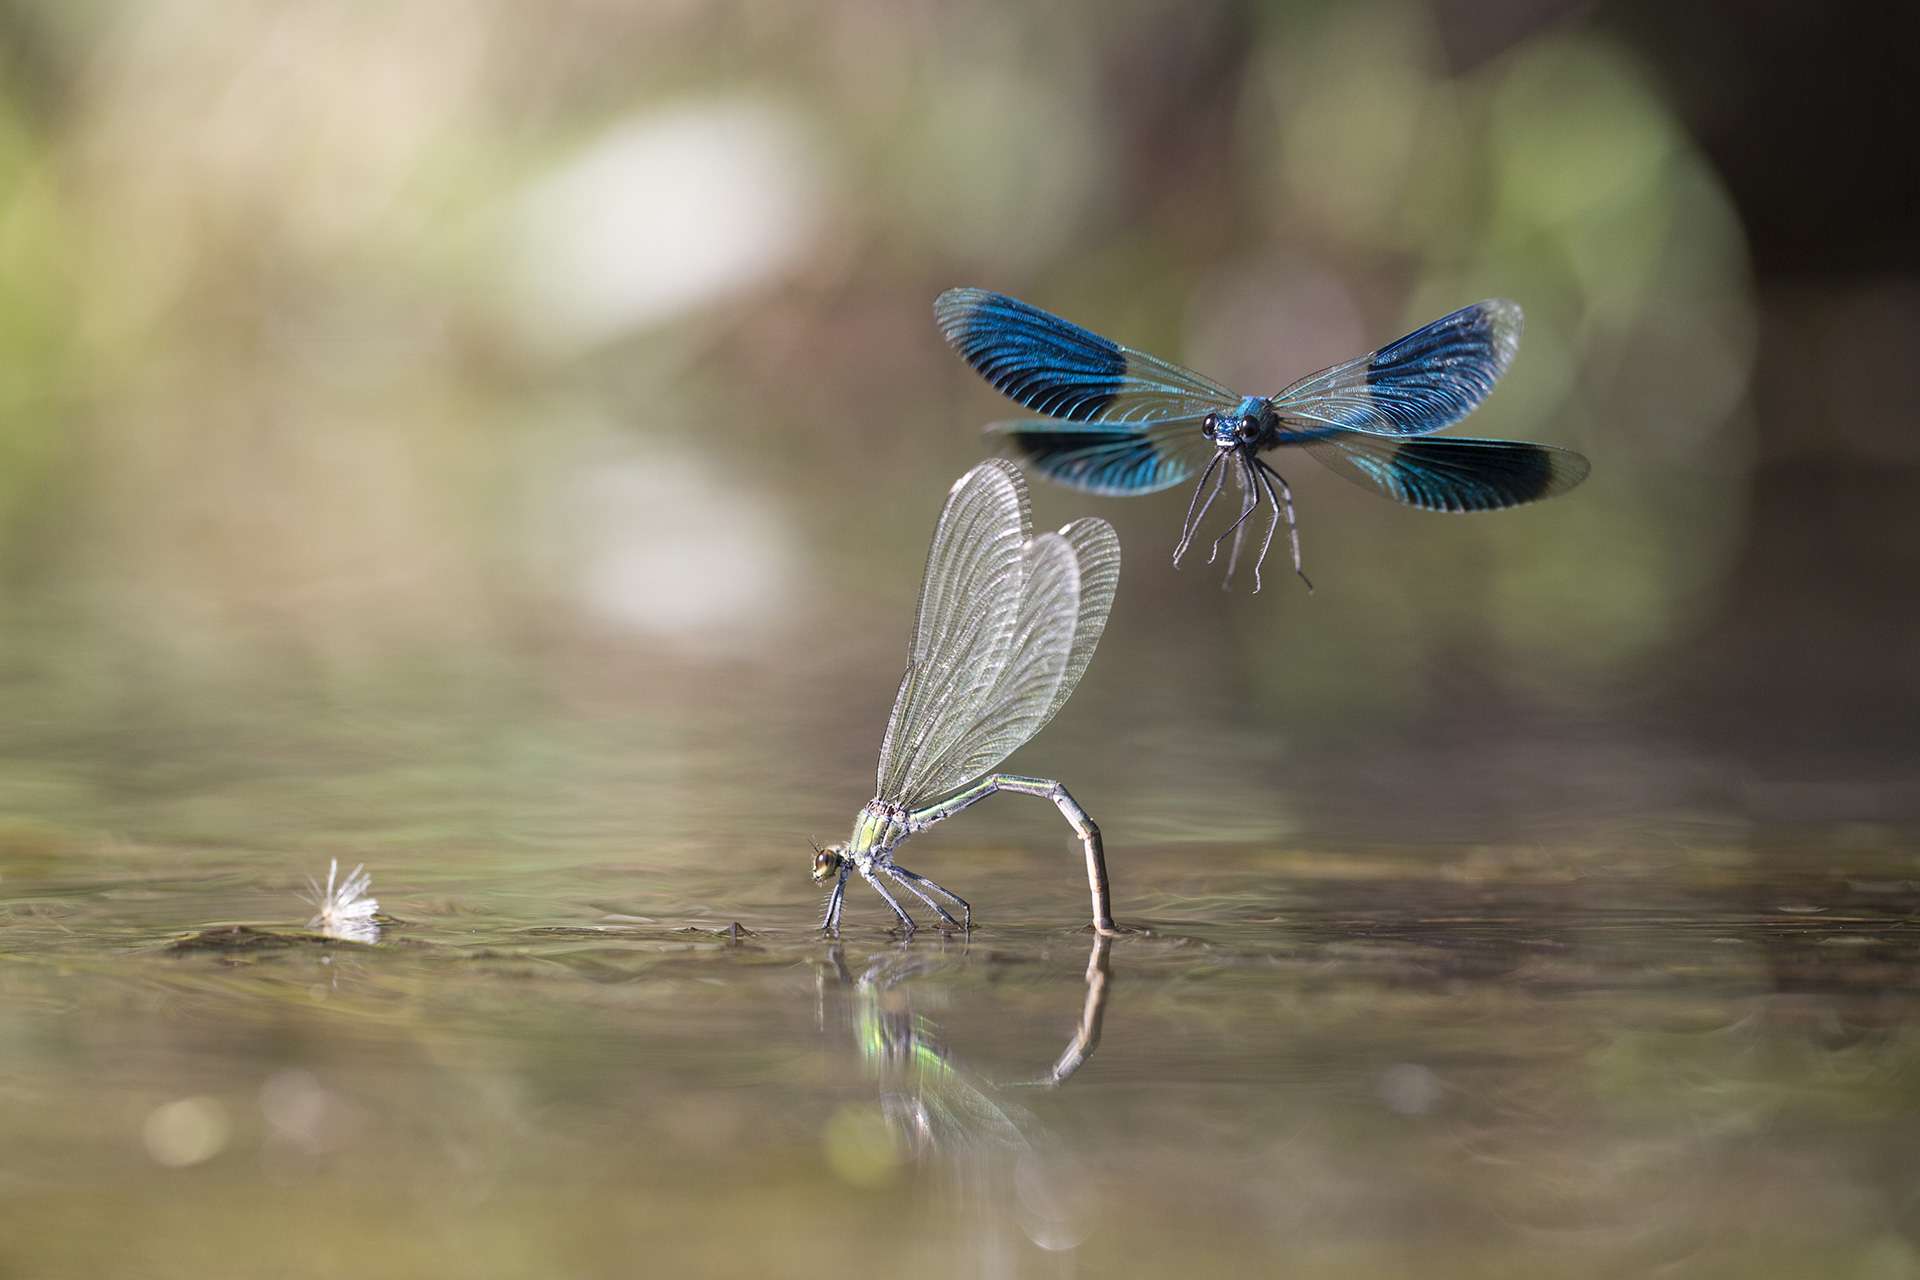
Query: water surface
pixel 1689 1058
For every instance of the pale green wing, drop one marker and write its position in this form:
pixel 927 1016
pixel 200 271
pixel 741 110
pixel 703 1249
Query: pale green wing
pixel 964 632
pixel 1068 592
pixel 1023 696
pixel 1096 548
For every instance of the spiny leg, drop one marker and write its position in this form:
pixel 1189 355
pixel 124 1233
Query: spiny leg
pixel 836 899
pixel 838 905
pixel 1233 561
pixel 1233 555
pixel 1251 500
pixel 906 921
pixel 894 873
pixel 1293 530
pixel 1191 525
pixel 966 909
pixel 1266 493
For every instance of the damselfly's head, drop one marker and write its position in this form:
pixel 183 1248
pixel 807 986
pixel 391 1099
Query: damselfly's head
pixel 826 862
pixel 1250 425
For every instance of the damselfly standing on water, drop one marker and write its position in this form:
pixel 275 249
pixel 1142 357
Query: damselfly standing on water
pixel 1134 423
pixel 1007 624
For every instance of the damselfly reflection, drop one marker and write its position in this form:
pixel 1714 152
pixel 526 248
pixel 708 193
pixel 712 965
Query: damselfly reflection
pixel 893 1041
pixel 1129 422
pixel 984 1151
pixel 1007 624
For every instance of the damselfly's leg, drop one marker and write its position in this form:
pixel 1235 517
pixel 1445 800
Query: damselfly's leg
pixel 1233 556
pixel 1293 530
pixel 897 875
pixel 1247 504
pixel 1191 524
pixel 836 899
pixel 1266 494
pixel 1233 561
pixel 966 909
pixel 1070 809
pixel 906 921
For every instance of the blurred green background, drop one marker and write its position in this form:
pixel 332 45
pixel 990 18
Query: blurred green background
pixel 407 410
pixel 499 442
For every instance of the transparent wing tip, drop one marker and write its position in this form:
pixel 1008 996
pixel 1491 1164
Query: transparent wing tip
pixel 1505 323
pixel 1092 536
pixel 984 471
pixel 955 308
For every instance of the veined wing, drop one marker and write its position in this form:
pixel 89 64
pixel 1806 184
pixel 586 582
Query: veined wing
pixel 1097 549
pixel 1115 461
pixel 1016 706
pixel 1451 473
pixel 964 630
pixel 1070 582
pixel 1056 368
pixel 1427 380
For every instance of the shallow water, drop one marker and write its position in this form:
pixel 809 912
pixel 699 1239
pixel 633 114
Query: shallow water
pixel 1689 1059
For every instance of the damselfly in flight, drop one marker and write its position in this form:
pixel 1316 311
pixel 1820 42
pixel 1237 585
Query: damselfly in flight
pixel 1133 423
pixel 1007 624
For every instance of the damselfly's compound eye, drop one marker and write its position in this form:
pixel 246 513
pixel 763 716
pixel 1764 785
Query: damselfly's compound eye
pixel 825 864
pixel 1208 423
pixel 1247 430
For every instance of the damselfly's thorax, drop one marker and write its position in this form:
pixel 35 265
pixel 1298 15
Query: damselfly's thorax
pixel 1252 425
pixel 877 828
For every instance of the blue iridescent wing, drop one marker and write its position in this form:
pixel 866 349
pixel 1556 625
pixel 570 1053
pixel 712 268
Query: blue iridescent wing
pixel 1427 380
pixel 1453 473
pixel 1108 460
pixel 1054 367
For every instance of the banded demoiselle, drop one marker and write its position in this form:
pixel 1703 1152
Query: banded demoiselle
pixel 1131 423
pixel 1006 626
